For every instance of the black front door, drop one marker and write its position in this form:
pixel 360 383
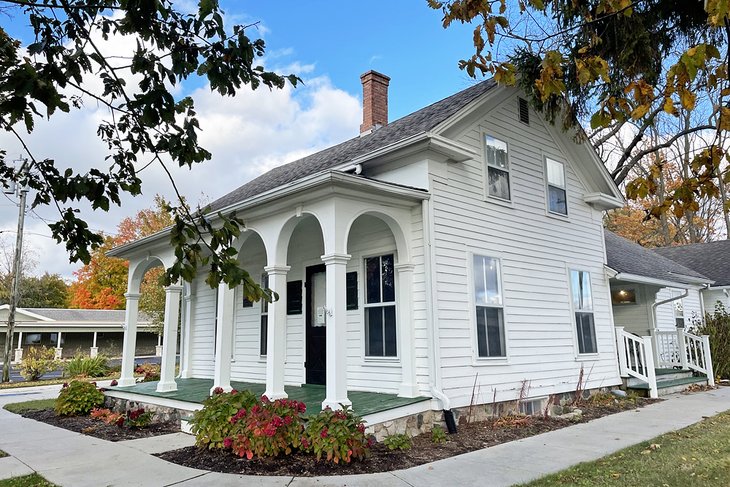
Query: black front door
pixel 316 364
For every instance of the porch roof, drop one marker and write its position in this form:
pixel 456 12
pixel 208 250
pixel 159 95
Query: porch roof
pixel 197 390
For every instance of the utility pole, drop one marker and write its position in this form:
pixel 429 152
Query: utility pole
pixel 22 191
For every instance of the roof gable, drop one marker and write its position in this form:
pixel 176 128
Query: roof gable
pixel 711 259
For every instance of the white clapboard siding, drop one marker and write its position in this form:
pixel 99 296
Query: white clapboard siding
pixel 202 340
pixel 665 313
pixel 711 297
pixel 635 317
pixel 536 251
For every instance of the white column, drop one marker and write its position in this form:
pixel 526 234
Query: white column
pixel 223 345
pixel 169 339
pixel 682 347
pixel 19 350
pixel 59 351
pixel 276 333
pixel 20 340
pixel 185 345
pixel 404 292
pixel 130 340
pixel 94 350
pixel 336 394
pixel 621 349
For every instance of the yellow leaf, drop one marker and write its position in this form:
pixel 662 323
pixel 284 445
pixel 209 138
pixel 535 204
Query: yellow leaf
pixel 640 111
pixel 669 106
pixel 687 98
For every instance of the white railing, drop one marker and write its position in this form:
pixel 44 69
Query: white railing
pixel 636 358
pixel 696 354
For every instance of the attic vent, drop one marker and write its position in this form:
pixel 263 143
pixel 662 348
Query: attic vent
pixel 524 111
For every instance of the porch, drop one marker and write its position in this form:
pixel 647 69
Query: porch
pixel 193 392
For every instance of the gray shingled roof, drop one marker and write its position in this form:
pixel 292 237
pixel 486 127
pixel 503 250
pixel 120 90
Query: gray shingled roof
pixel 711 259
pixel 628 257
pixel 417 122
pixel 83 315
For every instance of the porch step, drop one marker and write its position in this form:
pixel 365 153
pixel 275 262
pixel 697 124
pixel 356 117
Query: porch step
pixel 661 375
pixel 669 386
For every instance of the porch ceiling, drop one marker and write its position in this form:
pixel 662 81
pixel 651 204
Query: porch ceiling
pixel 197 390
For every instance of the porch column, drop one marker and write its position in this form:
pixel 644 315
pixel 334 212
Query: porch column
pixel 19 350
pixel 276 333
pixel 336 395
pixel 169 339
pixel 94 350
pixel 223 341
pixel 408 385
pixel 185 345
pixel 130 340
pixel 58 353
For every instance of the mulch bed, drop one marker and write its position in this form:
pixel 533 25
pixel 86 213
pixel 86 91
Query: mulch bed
pixel 470 437
pixel 92 427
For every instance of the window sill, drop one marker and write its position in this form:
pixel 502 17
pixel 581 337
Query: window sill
pixel 557 216
pixel 480 361
pixel 587 357
pixel 500 202
pixel 382 361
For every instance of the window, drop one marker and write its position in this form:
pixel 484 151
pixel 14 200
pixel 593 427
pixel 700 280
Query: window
pixel 351 290
pixel 623 296
pixel 580 287
pixel 678 311
pixel 264 317
pixel 294 298
pixel 497 168
pixel 489 308
pixel 380 331
pixel 557 199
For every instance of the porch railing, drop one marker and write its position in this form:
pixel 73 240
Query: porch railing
pixel 685 350
pixel 636 358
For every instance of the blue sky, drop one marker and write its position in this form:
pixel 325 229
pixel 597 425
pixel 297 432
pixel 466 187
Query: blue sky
pixel 329 44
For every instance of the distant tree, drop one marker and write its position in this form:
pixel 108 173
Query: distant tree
pixel 46 291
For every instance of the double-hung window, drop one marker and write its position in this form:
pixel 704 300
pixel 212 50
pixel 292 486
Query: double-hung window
pixel 380 326
pixel 497 168
pixel 489 307
pixel 557 195
pixel 263 343
pixel 678 311
pixel 580 287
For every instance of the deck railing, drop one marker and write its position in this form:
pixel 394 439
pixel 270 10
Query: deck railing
pixel 685 350
pixel 636 358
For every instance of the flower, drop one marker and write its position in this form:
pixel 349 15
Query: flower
pixel 265 398
pixel 218 390
pixel 324 432
pixel 114 383
pixel 361 428
pixel 227 442
pixel 65 385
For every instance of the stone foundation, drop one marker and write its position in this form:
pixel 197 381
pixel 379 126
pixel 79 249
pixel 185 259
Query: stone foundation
pixel 160 413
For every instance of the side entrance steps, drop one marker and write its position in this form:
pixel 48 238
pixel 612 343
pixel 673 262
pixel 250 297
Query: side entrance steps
pixel 669 381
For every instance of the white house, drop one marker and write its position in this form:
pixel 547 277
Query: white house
pixel 451 257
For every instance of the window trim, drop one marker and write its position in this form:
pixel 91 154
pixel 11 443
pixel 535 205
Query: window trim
pixel 263 313
pixel 576 343
pixel 470 276
pixel 364 306
pixel 493 198
pixel 547 187
pixel 679 300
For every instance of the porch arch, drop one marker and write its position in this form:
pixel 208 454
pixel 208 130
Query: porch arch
pixel 396 229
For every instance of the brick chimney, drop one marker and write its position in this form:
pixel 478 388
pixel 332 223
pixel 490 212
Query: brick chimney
pixel 374 101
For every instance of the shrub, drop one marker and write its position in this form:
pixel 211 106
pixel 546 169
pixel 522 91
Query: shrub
pixel 106 415
pixel 78 398
pixel 438 435
pixel 717 325
pixel 136 418
pixel 267 429
pixel 36 362
pixel 337 436
pixel 150 372
pixel 399 441
pixel 82 366
pixel 212 424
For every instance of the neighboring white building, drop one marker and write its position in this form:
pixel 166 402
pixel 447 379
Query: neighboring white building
pixel 454 254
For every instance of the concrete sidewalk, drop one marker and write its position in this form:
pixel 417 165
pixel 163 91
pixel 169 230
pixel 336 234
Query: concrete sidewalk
pixel 70 459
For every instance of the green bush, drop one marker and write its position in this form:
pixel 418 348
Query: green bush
pixel 337 436
pixel 267 429
pixel 398 442
pixel 438 435
pixel 717 325
pixel 36 362
pixel 78 398
pixel 82 366
pixel 211 425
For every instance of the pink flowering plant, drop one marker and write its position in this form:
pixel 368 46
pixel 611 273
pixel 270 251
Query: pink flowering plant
pixel 337 436
pixel 211 425
pixel 267 429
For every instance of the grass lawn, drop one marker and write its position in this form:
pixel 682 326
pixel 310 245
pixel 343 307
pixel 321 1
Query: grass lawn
pixel 50 382
pixel 696 455
pixel 21 407
pixel 33 480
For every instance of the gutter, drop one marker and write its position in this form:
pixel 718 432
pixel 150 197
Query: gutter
pixel 656 304
pixel 624 276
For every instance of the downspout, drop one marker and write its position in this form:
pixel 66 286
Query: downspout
pixel 431 318
pixel 656 304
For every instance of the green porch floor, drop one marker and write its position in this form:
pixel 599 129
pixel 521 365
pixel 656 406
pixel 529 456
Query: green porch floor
pixel 197 390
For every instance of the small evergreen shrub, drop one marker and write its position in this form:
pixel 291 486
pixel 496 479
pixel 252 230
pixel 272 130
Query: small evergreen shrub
pixel 438 435
pixel 267 429
pixel 78 398
pixel 36 362
pixel 717 325
pixel 82 366
pixel 337 436
pixel 149 372
pixel 399 441
pixel 212 424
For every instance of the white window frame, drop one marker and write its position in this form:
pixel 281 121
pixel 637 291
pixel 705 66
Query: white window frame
pixel 471 276
pixel 680 301
pixel 547 158
pixel 573 312
pixel 264 313
pixel 365 306
pixel 490 197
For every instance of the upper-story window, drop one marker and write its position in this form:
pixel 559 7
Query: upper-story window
pixel 489 307
pixel 497 168
pixel 557 194
pixel 580 287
